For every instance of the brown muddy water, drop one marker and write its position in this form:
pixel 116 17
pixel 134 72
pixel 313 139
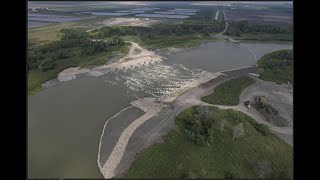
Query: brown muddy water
pixel 64 126
pixel 65 121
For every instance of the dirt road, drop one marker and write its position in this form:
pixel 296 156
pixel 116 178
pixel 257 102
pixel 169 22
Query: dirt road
pixel 224 37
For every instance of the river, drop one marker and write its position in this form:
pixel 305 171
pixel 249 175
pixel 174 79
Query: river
pixel 65 121
pixel 219 56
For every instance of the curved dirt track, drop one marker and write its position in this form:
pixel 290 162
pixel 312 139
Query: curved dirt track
pixel 279 97
pixel 284 133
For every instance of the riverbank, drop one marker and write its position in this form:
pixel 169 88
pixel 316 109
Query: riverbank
pixel 173 54
pixel 130 61
pixel 36 77
pixel 163 109
pixel 264 37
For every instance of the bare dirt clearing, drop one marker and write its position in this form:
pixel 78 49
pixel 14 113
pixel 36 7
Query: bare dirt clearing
pixel 146 22
pixel 132 60
pixel 279 97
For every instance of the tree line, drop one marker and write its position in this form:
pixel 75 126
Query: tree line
pixel 187 27
pixel 72 42
pixel 278 58
pixel 200 123
pixel 236 28
pixel 277 65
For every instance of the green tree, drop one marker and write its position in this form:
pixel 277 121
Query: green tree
pixel 46 64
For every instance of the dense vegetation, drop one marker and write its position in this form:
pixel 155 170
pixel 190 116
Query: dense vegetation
pixel 71 43
pixel 40 35
pixel 72 48
pixel 243 28
pixel 204 26
pixel 277 65
pixel 228 92
pixel 204 147
pixel 56 47
pixel 184 41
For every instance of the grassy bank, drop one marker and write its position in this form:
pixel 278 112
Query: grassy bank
pixel 256 153
pixel 264 37
pixel 228 92
pixel 278 66
pixel 36 77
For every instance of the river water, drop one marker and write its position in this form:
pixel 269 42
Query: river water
pixel 65 121
pixel 219 56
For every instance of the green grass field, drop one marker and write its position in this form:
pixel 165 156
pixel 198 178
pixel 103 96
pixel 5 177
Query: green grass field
pixel 39 35
pixel 264 37
pixel 282 75
pixel 178 157
pixel 185 41
pixel 228 92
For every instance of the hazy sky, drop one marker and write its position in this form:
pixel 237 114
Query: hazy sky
pixel 45 4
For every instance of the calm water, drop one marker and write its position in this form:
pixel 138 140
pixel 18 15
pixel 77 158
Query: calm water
pixel 107 13
pixel 65 121
pixel 38 23
pixel 64 126
pixel 162 16
pixel 45 19
pixel 218 56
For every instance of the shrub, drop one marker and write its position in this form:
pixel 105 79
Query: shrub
pixel 277 65
pixel 230 175
pixel 190 175
pixel 46 64
pixel 263 129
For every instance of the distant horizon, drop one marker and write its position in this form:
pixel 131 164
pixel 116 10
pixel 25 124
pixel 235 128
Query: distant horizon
pixel 44 4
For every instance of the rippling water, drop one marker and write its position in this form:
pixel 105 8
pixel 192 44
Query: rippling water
pixel 155 80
